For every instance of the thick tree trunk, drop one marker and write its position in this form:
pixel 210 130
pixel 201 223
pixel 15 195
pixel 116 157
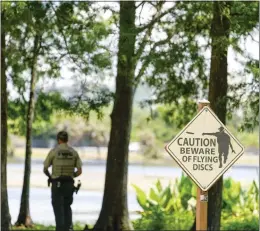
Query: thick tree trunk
pixel 114 213
pixel 24 217
pixel 5 215
pixel 218 94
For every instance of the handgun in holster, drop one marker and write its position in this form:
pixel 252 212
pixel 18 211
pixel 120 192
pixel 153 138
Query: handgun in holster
pixel 49 181
pixel 76 189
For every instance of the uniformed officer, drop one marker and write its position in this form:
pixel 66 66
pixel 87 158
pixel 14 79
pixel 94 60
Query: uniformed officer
pixel 64 159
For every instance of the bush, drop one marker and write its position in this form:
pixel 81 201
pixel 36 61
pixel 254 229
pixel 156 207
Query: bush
pixel 76 226
pixel 158 220
pixel 166 208
pixel 173 207
pixel 249 223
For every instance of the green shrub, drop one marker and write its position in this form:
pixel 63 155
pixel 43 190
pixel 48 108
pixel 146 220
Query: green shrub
pixel 231 196
pixel 248 223
pixel 166 208
pixel 158 220
pixel 173 207
pixel 240 207
pixel 170 199
pixel 76 226
pixel 237 201
pixel 35 227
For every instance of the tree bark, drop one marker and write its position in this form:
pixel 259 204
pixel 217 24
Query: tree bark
pixel 24 217
pixel 5 214
pixel 193 227
pixel 220 30
pixel 114 214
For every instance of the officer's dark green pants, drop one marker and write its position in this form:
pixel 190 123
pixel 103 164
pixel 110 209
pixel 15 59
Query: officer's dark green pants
pixel 62 198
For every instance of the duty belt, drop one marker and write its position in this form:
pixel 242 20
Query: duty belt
pixel 63 179
pixel 60 179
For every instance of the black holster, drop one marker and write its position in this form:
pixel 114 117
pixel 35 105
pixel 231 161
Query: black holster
pixel 76 189
pixel 49 181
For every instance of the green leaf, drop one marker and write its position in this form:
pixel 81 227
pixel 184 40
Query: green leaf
pixel 159 185
pixel 141 197
pixel 154 196
pixel 167 196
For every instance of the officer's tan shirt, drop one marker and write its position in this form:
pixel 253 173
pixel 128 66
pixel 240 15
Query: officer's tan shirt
pixel 63 159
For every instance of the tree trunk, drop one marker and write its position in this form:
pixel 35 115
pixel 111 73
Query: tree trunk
pixel 218 85
pixel 5 215
pixel 114 213
pixel 193 227
pixel 24 217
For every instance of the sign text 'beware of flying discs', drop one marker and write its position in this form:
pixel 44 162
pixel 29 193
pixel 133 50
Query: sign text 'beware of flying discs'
pixel 205 149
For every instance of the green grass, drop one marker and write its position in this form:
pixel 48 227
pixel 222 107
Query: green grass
pixel 77 226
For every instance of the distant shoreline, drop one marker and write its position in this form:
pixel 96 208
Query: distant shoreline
pixel 94 174
pixel 248 162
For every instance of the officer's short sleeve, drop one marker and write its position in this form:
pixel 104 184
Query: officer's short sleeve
pixel 78 161
pixel 48 161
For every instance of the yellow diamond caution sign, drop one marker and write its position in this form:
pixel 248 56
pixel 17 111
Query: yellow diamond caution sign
pixel 205 149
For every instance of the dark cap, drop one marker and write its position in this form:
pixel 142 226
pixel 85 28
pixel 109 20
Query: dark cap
pixel 221 128
pixel 63 136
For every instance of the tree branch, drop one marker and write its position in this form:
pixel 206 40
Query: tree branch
pixel 251 36
pixel 142 3
pixel 105 8
pixel 65 40
pixel 21 92
pixel 155 20
pixel 147 60
pixel 151 3
pixel 143 44
pixel 141 10
pixel 147 35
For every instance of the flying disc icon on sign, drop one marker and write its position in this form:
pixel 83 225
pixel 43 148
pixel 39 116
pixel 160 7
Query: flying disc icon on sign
pixel 205 149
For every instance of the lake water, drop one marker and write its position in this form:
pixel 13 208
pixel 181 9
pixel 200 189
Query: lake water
pixel 87 204
pixel 238 172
